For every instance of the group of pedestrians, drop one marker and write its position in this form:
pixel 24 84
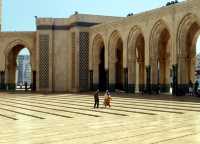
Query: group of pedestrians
pixel 107 99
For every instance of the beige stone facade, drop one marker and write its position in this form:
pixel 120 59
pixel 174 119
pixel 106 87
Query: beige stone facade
pixel 131 53
pixel 162 41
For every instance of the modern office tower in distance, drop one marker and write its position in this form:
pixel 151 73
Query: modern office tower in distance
pixel 23 71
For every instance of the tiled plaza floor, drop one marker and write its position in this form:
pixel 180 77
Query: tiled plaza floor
pixel 70 119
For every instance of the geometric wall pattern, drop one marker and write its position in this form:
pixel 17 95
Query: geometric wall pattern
pixel 44 61
pixel 83 60
pixel 73 59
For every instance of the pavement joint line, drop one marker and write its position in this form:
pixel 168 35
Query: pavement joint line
pixel 175 138
pixel 130 130
pixel 155 131
pixel 136 99
pixel 56 109
pixel 22 113
pixel 131 111
pixel 78 108
pixel 147 106
pixel 108 129
pixel 36 110
pixel 5 116
pixel 166 111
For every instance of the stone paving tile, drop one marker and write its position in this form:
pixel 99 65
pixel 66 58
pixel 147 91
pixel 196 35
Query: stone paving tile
pixel 170 120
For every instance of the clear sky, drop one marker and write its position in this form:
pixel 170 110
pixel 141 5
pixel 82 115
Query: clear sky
pixel 24 51
pixel 19 15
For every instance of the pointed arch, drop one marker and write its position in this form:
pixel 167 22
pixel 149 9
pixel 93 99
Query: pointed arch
pixel 136 66
pixel 160 56
pixel 114 40
pixel 99 72
pixel 98 43
pixel 184 26
pixel 187 34
pixel 11 53
pixel 157 29
pixel 16 42
pixel 116 69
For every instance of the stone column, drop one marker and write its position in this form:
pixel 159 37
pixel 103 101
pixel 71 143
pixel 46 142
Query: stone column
pixel 131 76
pixel 192 69
pixel 126 79
pixel 112 76
pixel 2 80
pixel 95 75
pixel 10 72
pixel 154 74
pixel 174 79
pixel 33 80
pixel 182 76
pixel 183 71
pixel 107 79
pixel 137 78
pixel 164 76
pixel 148 79
pixel 141 74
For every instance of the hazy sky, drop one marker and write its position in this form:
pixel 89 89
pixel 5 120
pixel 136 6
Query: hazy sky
pixel 19 15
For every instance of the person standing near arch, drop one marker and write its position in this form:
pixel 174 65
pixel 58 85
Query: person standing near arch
pixel 96 99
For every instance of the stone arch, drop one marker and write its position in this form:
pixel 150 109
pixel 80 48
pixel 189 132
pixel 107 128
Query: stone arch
pixel 187 34
pixel 183 27
pixel 97 44
pixel 136 48
pixel 116 70
pixel 11 52
pixel 114 38
pixel 157 29
pixel 160 47
pixel 99 72
pixel 12 44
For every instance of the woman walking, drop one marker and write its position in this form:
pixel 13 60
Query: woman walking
pixel 107 99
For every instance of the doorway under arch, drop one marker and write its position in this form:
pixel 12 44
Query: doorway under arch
pixel 160 57
pixel 116 69
pixel 18 68
pixel 198 60
pixel 119 71
pixel 164 61
pixel 100 78
pixel 188 33
pixel 136 60
pixel 23 70
pixel 102 71
pixel 140 64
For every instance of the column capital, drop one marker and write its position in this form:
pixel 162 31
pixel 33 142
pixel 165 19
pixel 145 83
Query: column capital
pixel 140 60
pixel 153 59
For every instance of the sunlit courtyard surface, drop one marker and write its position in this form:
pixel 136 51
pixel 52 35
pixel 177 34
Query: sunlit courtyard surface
pixel 71 119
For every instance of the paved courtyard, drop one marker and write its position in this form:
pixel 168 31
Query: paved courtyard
pixel 70 119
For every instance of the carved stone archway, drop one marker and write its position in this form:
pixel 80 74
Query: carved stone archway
pixel 160 56
pixel 136 66
pixel 188 32
pixel 116 70
pixel 100 78
pixel 11 52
